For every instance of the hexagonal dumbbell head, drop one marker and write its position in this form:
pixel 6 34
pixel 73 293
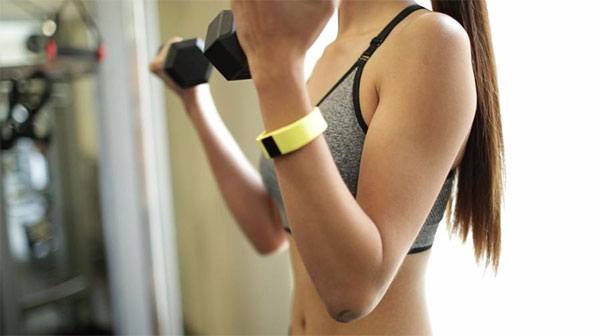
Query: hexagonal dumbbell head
pixel 223 48
pixel 186 64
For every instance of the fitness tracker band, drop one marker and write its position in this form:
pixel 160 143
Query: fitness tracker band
pixel 293 136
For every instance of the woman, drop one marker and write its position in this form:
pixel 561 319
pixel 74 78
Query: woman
pixel 407 113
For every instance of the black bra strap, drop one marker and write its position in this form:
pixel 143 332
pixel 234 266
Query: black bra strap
pixel 378 40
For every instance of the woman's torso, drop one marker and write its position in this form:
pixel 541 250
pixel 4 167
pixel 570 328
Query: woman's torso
pixel 403 308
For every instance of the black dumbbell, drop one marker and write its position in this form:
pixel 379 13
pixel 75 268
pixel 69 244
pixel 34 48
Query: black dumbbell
pixel 223 48
pixel 186 64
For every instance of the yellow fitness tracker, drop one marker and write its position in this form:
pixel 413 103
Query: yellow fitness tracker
pixel 293 136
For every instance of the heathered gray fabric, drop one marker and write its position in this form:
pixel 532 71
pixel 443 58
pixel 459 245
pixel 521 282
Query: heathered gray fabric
pixel 345 139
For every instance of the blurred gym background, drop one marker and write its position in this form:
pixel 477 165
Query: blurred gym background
pixel 94 180
pixel 111 222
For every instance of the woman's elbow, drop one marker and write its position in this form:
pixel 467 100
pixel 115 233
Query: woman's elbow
pixel 352 305
pixel 271 247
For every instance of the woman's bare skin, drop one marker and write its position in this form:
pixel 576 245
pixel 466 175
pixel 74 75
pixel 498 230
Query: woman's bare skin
pixel 402 308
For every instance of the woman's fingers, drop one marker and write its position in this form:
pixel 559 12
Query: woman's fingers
pixel 158 62
pixel 271 27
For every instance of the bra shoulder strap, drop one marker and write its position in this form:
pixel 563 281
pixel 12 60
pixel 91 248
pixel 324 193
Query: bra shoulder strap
pixel 378 40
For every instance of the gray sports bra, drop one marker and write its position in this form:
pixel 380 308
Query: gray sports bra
pixel 345 137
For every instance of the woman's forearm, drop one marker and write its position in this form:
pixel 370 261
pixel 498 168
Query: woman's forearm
pixel 340 245
pixel 239 182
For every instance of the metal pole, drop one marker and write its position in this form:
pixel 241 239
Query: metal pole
pixel 134 175
pixel 158 175
pixel 9 305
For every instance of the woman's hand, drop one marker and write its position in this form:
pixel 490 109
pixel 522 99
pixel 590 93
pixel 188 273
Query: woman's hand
pixel 157 66
pixel 276 33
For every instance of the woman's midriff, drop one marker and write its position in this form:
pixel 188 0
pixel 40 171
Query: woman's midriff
pixel 402 311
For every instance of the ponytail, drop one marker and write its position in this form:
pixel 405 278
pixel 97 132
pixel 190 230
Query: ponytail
pixel 478 198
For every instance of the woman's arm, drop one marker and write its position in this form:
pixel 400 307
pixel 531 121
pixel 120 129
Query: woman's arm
pixel 352 248
pixel 240 184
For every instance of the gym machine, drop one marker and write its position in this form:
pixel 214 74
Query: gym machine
pixel 47 279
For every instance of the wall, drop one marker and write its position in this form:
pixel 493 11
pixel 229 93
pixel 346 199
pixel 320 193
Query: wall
pixel 226 287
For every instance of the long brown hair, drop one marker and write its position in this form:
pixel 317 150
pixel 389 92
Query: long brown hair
pixel 477 203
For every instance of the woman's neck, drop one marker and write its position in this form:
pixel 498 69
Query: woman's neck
pixel 356 17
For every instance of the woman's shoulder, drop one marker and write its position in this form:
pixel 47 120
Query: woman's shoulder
pixel 436 24
pixel 429 45
pixel 427 34
pixel 427 63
